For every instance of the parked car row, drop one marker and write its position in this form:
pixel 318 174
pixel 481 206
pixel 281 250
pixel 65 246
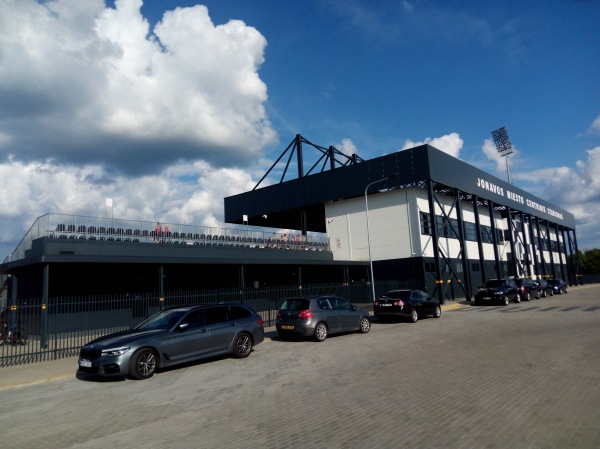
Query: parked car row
pixel 183 334
pixel 503 291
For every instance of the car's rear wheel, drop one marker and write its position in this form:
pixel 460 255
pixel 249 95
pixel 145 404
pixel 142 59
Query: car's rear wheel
pixel 528 297
pixel 242 346
pixel 552 292
pixel 437 312
pixel 320 333
pixel 414 316
pixel 365 325
pixel 143 364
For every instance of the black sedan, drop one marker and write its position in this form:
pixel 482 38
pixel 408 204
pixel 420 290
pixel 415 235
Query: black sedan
pixel 173 336
pixel 558 285
pixel 410 304
pixel 499 291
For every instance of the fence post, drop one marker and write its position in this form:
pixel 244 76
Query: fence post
pixel 44 327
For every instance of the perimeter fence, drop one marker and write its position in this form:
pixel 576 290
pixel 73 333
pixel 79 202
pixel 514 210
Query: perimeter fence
pixel 33 331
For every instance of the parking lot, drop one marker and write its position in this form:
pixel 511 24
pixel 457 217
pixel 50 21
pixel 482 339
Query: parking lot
pixel 518 376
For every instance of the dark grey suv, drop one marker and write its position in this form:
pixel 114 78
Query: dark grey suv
pixel 173 336
pixel 319 316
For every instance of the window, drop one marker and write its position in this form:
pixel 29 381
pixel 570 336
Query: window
pixel 475 267
pixel 470 232
pixel 341 304
pixel 216 315
pixel 237 313
pixel 486 234
pixel 425 224
pixel 429 267
pixel 195 319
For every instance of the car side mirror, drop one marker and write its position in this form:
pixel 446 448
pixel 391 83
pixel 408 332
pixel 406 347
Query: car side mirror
pixel 183 326
pixel 354 308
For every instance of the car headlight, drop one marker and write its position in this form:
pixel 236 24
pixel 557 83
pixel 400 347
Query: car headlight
pixel 114 351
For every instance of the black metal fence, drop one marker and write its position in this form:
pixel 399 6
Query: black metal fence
pixel 33 331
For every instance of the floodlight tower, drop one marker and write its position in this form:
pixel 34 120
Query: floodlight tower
pixel 503 146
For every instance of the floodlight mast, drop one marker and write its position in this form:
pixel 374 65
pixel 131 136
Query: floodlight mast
pixel 503 146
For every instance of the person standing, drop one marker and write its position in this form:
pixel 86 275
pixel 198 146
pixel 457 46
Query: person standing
pixel 157 232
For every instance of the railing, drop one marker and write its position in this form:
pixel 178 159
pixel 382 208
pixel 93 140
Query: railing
pixel 59 329
pixel 78 227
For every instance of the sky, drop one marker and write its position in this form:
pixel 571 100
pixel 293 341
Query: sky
pixel 168 106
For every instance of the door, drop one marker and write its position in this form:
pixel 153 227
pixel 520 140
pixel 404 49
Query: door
pixel 221 330
pixel 190 339
pixel 348 317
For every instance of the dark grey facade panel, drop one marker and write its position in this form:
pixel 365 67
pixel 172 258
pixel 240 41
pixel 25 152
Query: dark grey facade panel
pixel 280 202
pixel 453 172
pixel 50 250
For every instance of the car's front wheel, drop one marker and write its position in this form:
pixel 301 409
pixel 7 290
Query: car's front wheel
pixel 143 364
pixel 320 333
pixel 242 346
pixel 437 312
pixel 505 300
pixel 365 325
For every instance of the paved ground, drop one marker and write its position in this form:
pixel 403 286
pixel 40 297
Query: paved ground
pixel 521 376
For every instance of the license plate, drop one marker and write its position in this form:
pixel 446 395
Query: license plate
pixel 486 298
pixel 386 305
pixel 85 363
pixel 287 326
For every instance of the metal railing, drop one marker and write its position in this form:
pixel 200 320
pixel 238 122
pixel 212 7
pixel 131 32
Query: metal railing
pixel 79 227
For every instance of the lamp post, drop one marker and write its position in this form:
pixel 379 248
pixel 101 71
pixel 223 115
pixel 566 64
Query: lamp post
pixel 368 231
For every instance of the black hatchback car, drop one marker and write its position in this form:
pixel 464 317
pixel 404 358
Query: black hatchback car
pixel 527 289
pixel 174 336
pixel 499 291
pixel 319 316
pixel 410 304
pixel 558 285
pixel 544 288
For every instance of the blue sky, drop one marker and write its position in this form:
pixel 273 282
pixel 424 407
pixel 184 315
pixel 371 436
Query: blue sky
pixel 167 106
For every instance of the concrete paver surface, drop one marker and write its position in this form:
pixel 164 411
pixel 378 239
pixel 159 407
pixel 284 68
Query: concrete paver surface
pixel 519 376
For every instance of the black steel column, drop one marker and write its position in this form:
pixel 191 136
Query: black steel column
pixel 509 221
pixel 536 267
pixel 540 245
pixel 299 155
pixel 161 287
pixel 560 254
pixel 465 258
pixel 495 240
pixel 552 267
pixel 577 275
pixel 479 242
pixel 44 311
pixel 434 238
pixel 571 261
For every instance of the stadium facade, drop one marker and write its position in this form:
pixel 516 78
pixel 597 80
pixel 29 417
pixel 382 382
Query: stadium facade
pixel 417 215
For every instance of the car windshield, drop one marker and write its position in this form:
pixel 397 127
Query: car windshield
pixel 398 294
pixel 494 283
pixel 162 320
pixel 296 304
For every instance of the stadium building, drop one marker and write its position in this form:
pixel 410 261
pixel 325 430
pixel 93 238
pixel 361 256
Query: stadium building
pixel 418 216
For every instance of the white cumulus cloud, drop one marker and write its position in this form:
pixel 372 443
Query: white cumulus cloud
pixel 82 81
pixel 450 143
